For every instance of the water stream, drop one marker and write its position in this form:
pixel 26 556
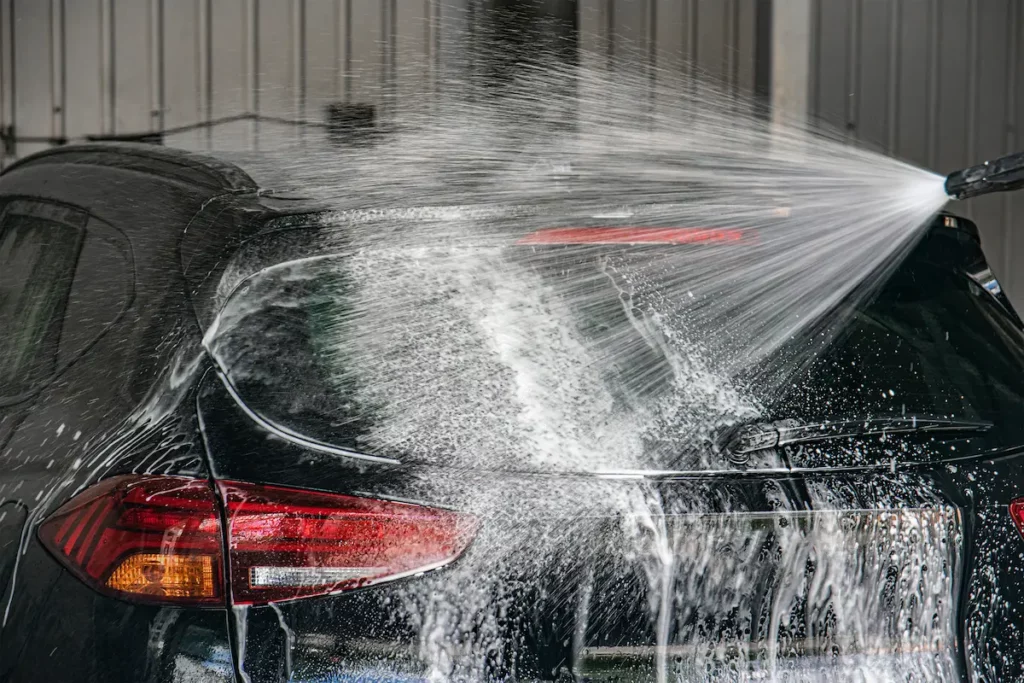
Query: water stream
pixel 480 337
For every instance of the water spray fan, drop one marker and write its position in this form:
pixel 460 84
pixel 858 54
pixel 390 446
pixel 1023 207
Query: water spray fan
pixel 1001 175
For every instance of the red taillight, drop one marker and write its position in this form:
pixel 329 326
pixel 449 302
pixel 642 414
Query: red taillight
pixel 288 544
pixel 159 539
pixel 147 537
pixel 1017 514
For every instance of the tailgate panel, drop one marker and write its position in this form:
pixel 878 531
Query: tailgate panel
pixel 864 592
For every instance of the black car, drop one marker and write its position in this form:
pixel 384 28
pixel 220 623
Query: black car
pixel 188 491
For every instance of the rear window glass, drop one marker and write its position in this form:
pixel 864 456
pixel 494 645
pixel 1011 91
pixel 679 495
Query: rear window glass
pixel 933 342
pixel 405 356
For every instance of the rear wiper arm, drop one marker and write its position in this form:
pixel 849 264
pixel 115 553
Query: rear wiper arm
pixel 758 436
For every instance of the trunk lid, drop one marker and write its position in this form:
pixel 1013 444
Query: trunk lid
pixel 624 577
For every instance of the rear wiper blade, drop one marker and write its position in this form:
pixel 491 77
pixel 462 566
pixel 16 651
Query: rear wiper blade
pixel 758 436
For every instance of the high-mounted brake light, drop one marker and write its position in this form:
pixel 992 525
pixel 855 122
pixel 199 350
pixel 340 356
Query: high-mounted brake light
pixel 631 235
pixel 159 539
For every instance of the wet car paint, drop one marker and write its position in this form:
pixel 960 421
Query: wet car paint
pixel 180 419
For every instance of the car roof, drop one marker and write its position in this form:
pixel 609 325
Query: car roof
pixel 175 164
pixel 173 206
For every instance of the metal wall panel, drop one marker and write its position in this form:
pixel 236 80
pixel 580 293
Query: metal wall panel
pixel 83 72
pixel 631 29
pixel 936 82
pixel 413 47
pixel 133 44
pixel 69 68
pixel 715 46
pixel 324 59
pixel 955 68
pixel 32 71
pixel 872 77
pixel 280 71
pixel 743 45
pixel 914 86
pixel 715 38
pixel 229 52
pixel 6 72
pixel 182 69
pixel 72 68
pixel 368 50
pixel 672 35
pixel 831 86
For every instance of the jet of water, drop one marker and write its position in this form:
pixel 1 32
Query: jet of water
pixel 474 345
pixel 487 314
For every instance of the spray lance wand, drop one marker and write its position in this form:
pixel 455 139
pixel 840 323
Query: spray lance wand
pixel 1001 175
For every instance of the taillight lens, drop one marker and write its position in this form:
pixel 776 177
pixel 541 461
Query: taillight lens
pixel 287 543
pixel 157 538
pixel 1017 514
pixel 146 537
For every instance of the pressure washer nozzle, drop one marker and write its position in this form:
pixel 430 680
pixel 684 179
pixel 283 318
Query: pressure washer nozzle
pixel 1001 175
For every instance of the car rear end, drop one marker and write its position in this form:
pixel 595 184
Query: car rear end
pixel 408 486
pixel 607 577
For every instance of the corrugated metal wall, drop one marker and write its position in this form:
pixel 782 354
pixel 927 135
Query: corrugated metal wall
pixel 937 82
pixel 718 38
pixel 75 67
pixel 69 68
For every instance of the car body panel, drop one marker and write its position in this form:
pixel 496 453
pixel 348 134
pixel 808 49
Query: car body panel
pixel 528 600
pixel 106 409
pixel 379 630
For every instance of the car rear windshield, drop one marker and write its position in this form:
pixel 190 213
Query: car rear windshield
pixel 336 347
pixel 934 341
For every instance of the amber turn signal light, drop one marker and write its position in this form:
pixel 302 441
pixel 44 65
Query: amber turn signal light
pixel 165 576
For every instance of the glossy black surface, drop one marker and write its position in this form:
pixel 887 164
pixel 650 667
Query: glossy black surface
pixel 129 389
pixel 127 325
